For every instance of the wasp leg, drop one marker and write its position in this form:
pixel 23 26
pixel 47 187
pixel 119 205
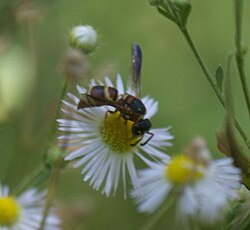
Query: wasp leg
pixel 151 136
pixel 134 144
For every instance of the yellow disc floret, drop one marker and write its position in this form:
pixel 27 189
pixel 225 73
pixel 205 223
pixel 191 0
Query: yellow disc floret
pixel 117 133
pixel 9 211
pixel 183 169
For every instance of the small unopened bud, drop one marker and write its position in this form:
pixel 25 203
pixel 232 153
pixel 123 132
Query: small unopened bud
pixel 53 155
pixel 183 9
pixel 198 151
pixel 84 38
pixel 75 65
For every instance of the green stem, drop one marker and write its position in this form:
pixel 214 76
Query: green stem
pixel 211 81
pixel 159 214
pixel 51 190
pixel 205 69
pixel 203 65
pixel 57 165
pixel 239 52
pixel 41 169
pixel 54 124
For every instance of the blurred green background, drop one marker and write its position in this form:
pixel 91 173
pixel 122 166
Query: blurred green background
pixel 33 39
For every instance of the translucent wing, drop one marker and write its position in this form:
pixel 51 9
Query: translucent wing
pixel 87 101
pixel 136 68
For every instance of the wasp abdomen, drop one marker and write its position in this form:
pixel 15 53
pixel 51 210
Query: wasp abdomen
pixel 103 93
pixel 98 96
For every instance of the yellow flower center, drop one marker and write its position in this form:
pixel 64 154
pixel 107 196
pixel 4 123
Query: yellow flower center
pixel 9 211
pixel 183 169
pixel 117 133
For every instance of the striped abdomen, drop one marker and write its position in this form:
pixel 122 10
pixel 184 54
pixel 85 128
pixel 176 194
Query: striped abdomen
pixel 98 96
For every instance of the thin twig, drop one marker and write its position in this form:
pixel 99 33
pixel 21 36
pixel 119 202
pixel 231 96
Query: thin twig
pixel 211 81
pixel 57 165
pixel 239 52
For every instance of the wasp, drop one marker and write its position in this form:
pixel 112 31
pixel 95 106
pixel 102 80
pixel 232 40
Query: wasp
pixel 130 107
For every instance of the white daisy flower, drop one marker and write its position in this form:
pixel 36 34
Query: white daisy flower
pixel 24 212
pixel 203 191
pixel 102 141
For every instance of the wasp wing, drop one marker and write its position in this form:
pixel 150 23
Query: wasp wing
pixel 87 101
pixel 136 68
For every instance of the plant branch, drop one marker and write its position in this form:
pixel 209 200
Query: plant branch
pixel 57 164
pixel 239 52
pixel 205 69
pixel 209 77
pixel 51 190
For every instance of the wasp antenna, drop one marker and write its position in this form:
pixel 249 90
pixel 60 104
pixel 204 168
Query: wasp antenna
pixel 136 66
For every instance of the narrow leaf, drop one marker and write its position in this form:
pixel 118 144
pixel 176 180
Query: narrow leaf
pixel 43 177
pixel 227 142
pixel 166 13
pixel 219 75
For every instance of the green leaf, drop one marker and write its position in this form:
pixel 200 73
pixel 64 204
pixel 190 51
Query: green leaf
pixel 240 218
pixel 245 224
pixel 219 75
pixel 166 13
pixel 184 11
pixel 227 141
pixel 43 177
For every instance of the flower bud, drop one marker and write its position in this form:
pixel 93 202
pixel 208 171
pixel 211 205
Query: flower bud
pixel 53 155
pixel 75 65
pixel 184 8
pixel 84 38
pixel 198 151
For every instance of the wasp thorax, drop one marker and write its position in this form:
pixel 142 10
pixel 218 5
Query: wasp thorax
pixel 117 133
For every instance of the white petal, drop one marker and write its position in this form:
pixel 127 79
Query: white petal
pixel 108 82
pixel 151 106
pixel 119 85
pixel 74 98
pixel 80 89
